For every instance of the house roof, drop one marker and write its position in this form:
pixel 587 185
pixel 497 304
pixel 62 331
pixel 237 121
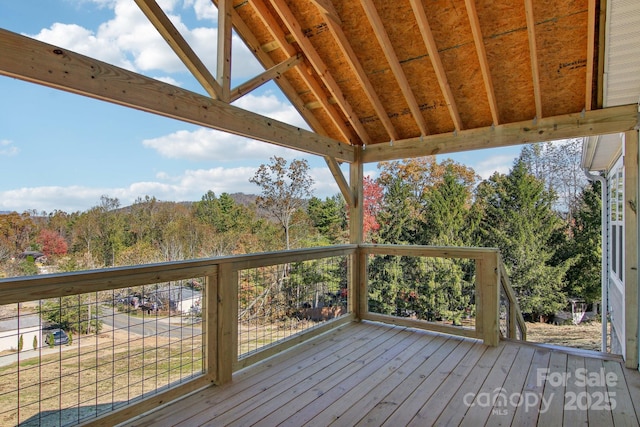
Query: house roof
pixel 380 80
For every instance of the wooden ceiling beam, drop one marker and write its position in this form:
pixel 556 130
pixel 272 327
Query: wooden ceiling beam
pixel 394 63
pixel 577 125
pixel 360 73
pixel 319 67
pixel 225 26
pixel 283 39
pixel 272 73
pixel 34 61
pixel 170 33
pixel 533 52
pixel 436 61
pixel 478 40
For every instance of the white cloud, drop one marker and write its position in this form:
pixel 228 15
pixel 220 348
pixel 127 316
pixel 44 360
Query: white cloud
pixel 204 9
pixel 499 163
pixel 210 145
pixel 130 41
pixel 270 105
pixel 7 148
pixel 188 186
pixel 324 183
pixel 81 40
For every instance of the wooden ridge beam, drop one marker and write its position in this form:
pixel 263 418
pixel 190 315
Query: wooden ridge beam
pixel 575 125
pixel 284 40
pixel 319 67
pixel 394 63
pixel 533 52
pixel 170 33
pixel 478 40
pixel 31 60
pixel 436 61
pixel 270 74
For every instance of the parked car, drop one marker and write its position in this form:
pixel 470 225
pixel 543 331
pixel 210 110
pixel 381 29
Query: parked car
pixel 59 337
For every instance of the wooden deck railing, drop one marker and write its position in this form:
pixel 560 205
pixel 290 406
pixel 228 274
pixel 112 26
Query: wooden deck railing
pixel 515 328
pixel 221 312
pixel 490 281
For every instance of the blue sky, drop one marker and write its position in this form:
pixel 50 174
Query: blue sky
pixel 63 151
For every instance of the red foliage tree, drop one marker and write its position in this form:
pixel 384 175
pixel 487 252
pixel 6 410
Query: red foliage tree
pixel 52 243
pixel 372 195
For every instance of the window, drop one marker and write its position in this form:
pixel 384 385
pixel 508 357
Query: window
pixel 616 219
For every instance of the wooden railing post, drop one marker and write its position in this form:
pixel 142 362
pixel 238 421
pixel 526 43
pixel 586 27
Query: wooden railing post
pixel 211 319
pixel 227 327
pixel 488 308
pixel 363 283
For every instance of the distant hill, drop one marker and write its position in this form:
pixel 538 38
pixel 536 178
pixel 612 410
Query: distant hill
pixel 239 198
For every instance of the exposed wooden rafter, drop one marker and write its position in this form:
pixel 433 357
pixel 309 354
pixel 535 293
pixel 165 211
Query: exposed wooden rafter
pixel 533 52
pixel 327 9
pixel 223 70
pixel 270 74
pixel 361 75
pixel 282 38
pixel 595 122
pixel 436 62
pixel 482 58
pixel 394 64
pixel 319 66
pixel 169 32
pixel 31 60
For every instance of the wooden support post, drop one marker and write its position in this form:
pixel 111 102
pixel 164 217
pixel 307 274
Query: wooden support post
pixel 631 248
pixel 358 277
pixel 227 328
pixel 224 48
pixel 488 303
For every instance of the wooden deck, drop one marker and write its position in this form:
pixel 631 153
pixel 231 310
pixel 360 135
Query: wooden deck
pixel 374 374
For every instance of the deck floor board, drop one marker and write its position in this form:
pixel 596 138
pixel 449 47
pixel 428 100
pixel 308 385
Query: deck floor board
pixel 371 374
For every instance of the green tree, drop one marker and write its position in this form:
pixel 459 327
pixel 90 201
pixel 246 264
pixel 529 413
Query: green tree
pixel 448 220
pixel 71 313
pixel 285 189
pixel 582 247
pixel 518 218
pixel 329 217
pixel 398 217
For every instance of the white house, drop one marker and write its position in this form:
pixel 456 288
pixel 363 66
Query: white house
pixel 30 327
pixel 613 160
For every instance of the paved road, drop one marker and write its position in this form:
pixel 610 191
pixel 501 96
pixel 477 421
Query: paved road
pixel 147 326
pixel 152 325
